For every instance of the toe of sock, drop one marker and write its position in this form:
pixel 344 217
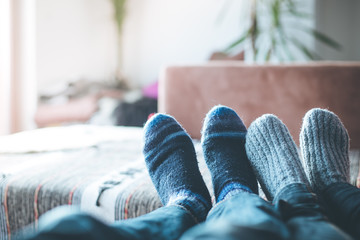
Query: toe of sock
pixel 325 126
pixel 311 114
pixel 322 118
pixel 265 128
pixel 315 118
pixel 220 111
pixel 222 119
pixel 156 121
pixel 263 122
pixel 159 127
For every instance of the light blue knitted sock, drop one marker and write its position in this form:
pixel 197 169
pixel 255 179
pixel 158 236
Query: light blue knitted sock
pixel 273 155
pixel 324 145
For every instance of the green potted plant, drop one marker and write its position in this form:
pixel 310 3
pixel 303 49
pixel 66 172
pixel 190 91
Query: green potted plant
pixel 119 16
pixel 272 33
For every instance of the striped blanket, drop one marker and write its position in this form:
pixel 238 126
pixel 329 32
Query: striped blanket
pixel 99 169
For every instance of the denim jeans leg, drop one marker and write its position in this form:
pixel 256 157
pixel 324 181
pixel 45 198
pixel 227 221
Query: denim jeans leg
pixel 304 215
pixel 168 223
pixel 343 205
pixel 243 216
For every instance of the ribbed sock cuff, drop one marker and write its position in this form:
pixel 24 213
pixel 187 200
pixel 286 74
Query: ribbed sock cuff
pixel 231 189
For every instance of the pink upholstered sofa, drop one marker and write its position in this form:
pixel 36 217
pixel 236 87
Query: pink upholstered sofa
pixel 288 91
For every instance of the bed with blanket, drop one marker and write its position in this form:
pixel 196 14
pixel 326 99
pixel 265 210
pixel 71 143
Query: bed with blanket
pixel 99 169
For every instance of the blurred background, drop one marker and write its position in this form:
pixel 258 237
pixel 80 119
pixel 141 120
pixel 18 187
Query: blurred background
pixel 98 61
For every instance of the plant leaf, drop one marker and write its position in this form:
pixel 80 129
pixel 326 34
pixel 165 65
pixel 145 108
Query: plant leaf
pixel 239 41
pixel 306 51
pixel 298 14
pixel 268 55
pixel 320 37
pixel 119 6
pixel 325 39
pixel 222 13
pixel 284 44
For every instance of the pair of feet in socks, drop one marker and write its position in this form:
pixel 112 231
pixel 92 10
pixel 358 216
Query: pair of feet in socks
pixel 237 157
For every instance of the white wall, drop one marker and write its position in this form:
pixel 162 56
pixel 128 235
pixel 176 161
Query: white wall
pixel 18 95
pixel 341 21
pixel 5 66
pixel 24 82
pixel 76 39
pixel 162 32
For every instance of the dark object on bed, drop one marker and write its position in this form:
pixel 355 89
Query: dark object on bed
pixel 135 114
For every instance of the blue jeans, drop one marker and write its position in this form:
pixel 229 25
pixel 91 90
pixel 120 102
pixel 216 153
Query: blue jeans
pixel 295 214
pixel 343 206
pixel 304 215
pixel 67 223
pixel 243 216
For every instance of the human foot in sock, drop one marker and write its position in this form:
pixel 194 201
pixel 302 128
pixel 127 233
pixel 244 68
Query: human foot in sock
pixel 324 144
pixel 223 139
pixel 171 161
pixel 273 155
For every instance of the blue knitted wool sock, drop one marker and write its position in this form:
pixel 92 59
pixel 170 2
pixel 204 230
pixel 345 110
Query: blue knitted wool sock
pixel 223 139
pixel 324 144
pixel 171 161
pixel 273 155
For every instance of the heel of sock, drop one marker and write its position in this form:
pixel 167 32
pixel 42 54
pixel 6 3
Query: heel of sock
pixel 196 204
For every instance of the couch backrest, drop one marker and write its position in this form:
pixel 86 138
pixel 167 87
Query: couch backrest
pixel 288 91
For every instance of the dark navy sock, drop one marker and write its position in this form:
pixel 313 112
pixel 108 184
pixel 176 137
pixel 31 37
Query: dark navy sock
pixel 223 140
pixel 171 161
